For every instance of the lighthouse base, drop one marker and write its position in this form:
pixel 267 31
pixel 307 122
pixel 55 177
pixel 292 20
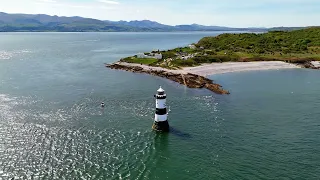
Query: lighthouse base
pixel 162 126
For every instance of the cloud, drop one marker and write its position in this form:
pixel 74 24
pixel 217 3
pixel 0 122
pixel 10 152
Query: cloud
pixel 79 6
pixel 89 7
pixel 108 1
pixel 48 1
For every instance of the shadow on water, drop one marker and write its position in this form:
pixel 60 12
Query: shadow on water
pixel 180 134
pixel 161 140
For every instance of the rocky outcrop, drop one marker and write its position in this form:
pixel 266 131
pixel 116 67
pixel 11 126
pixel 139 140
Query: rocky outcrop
pixel 189 80
pixel 309 65
pixel 304 63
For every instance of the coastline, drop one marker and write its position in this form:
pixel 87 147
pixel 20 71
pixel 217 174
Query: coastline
pixel 182 77
pixel 229 67
pixel 195 77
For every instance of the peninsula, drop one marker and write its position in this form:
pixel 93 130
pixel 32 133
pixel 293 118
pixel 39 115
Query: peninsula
pixel 228 53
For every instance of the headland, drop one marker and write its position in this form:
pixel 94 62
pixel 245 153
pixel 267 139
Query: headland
pixel 183 77
pixel 228 53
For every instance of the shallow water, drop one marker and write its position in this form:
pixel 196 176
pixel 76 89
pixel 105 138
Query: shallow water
pixel 52 126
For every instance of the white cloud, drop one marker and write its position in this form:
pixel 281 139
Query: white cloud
pixel 105 7
pixel 79 6
pixel 108 1
pixel 48 1
pixel 89 7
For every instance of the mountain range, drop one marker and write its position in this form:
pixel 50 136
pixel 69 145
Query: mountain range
pixel 43 23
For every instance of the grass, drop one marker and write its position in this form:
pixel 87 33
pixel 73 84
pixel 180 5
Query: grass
pixel 185 49
pixel 145 61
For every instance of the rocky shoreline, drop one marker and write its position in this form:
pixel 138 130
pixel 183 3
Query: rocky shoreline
pixel 188 79
pixel 309 65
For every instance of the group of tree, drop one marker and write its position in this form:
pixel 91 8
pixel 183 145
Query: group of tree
pixel 265 43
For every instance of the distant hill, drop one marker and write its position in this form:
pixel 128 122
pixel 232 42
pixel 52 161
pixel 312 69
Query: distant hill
pixel 141 24
pixel 42 23
pixel 285 28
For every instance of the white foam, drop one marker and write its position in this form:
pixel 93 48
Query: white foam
pixel 7 55
pixel 101 50
pixel 5 98
pixel 4 55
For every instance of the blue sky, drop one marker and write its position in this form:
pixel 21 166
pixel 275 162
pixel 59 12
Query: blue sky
pixel 234 13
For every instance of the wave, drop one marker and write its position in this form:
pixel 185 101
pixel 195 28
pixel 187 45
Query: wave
pixel 92 40
pixel 82 41
pixel 7 55
pixel 101 50
pixel 43 140
pixel 4 55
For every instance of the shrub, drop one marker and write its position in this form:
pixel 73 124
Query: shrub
pixel 168 54
pixel 188 62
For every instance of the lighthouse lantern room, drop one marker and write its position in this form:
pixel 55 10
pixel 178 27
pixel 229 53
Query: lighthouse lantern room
pixel 161 115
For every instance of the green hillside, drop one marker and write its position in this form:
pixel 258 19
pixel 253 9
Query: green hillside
pixel 281 41
pixel 297 46
pixel 283 45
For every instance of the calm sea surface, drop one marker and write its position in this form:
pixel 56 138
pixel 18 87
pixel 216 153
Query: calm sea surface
pixel 52 126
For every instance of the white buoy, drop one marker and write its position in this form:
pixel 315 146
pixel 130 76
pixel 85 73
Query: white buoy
pixel 161 115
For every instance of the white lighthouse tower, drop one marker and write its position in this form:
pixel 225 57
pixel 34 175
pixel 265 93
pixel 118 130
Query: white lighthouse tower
pixel 161 115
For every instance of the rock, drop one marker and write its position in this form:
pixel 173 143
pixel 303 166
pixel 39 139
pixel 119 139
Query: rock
pixel 189 80
pixel 161 126
pixel 217 89
pixel 305 64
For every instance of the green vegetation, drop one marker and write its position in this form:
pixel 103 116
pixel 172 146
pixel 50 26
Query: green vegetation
pixel 146 61
pixel 168 54
pixel 184 50
pixel 297 46
pixel 184 63
pixel 280 45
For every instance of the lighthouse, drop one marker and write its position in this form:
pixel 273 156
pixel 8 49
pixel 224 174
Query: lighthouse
pixel 161 115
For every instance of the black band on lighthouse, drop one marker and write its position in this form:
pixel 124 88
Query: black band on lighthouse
pixel 161 111
pixel 161 97
pixel 160 119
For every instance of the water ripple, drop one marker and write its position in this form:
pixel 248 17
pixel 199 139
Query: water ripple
pixel 7 55
pixel 30 150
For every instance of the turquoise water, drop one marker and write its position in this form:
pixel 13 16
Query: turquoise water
pixel 52 126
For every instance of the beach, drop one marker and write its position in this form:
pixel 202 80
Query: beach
pixel 228 67
pixel 195 77
pixel 220 68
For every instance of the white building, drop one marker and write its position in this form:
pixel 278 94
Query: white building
pixel 157 56
pixel 141 55
pixel 191 46
pixel 152 55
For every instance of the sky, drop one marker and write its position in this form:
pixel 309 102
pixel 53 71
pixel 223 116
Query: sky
pixel 232 13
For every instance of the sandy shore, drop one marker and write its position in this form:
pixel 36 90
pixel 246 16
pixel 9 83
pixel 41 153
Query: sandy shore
pixel 219 68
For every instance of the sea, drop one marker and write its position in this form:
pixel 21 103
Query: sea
pixel 52 125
